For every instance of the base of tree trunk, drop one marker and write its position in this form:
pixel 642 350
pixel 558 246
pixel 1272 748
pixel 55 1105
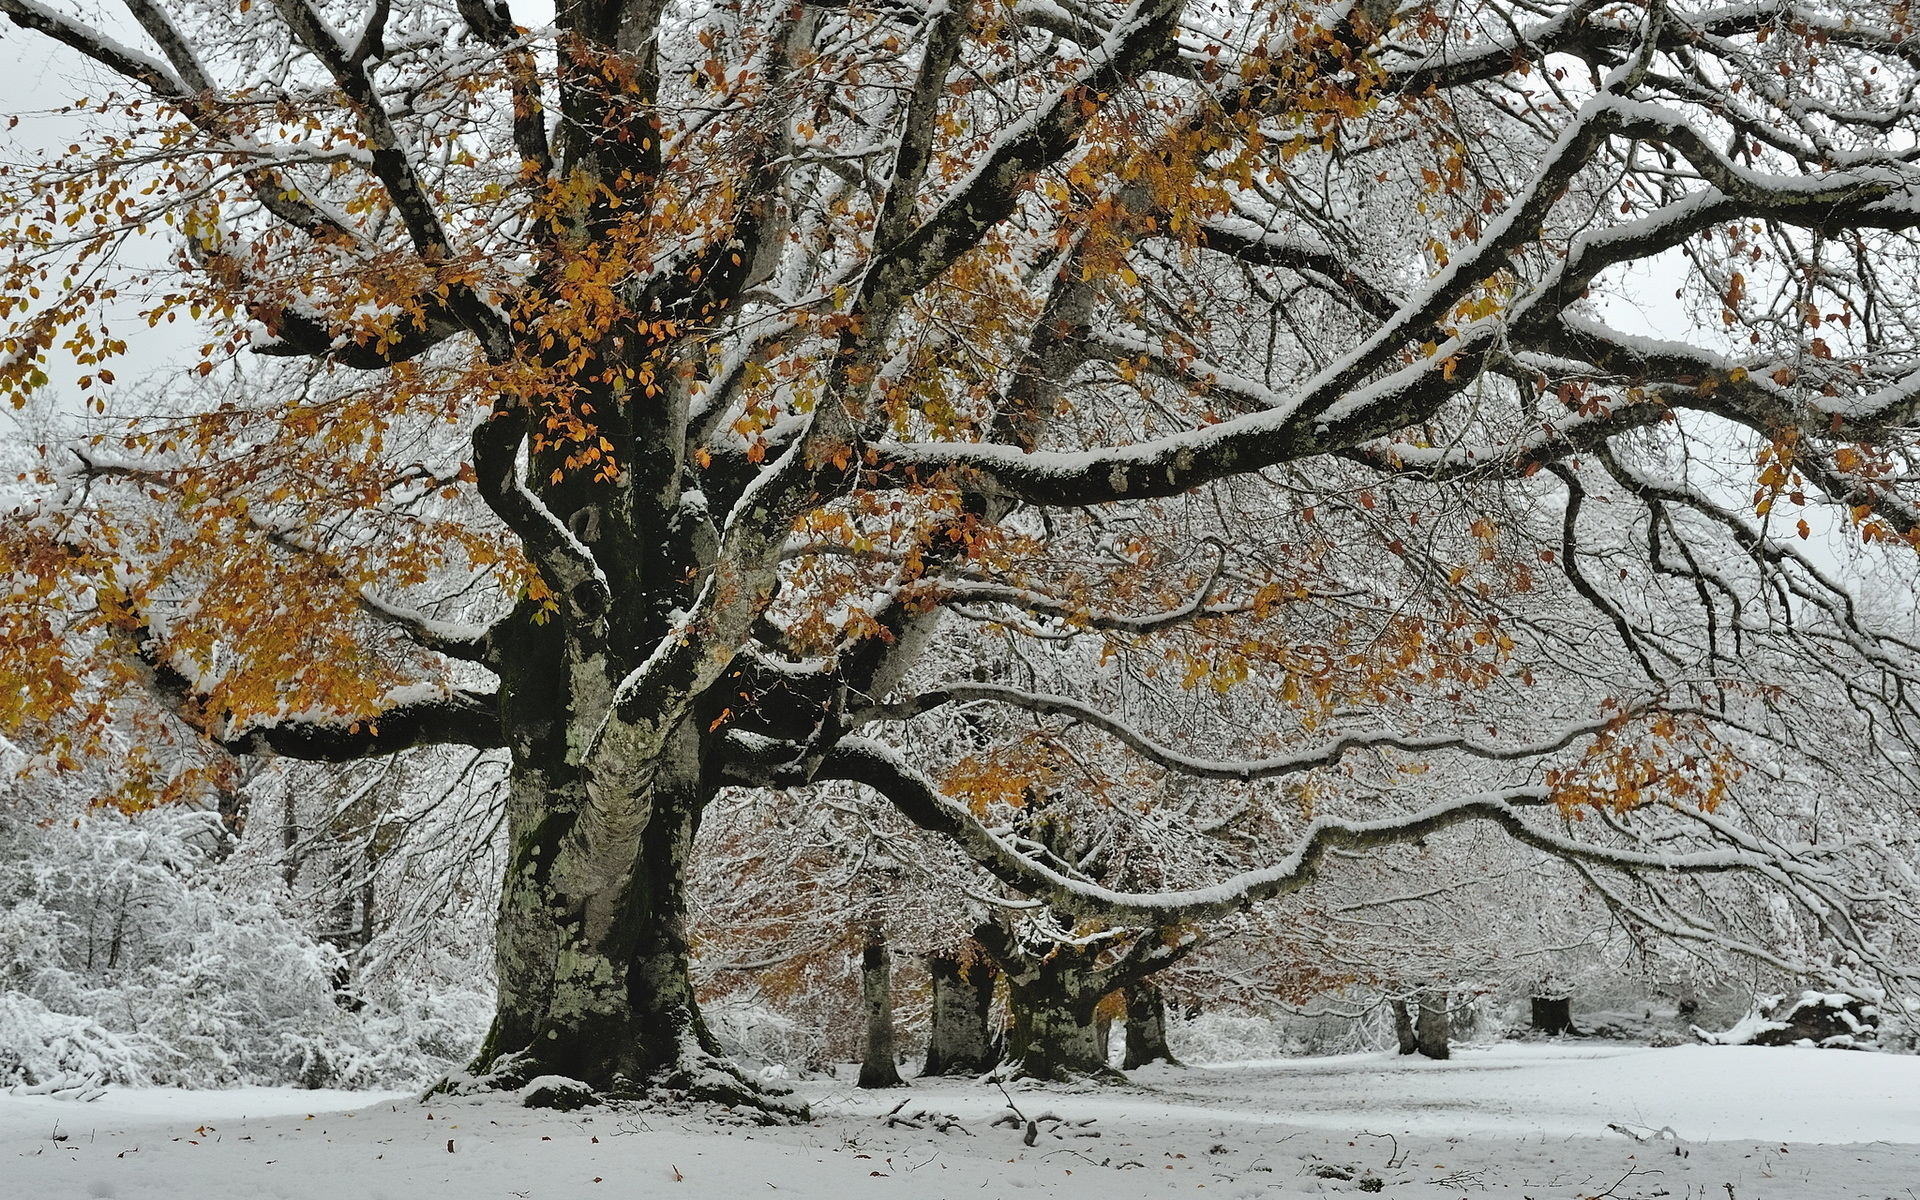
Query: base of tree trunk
pixel 595 992
pixel 700 1077
pixel 1057 1042
pixel 959 1039
pixel 877 1068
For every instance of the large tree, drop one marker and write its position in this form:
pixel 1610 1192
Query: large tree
pixel 642 393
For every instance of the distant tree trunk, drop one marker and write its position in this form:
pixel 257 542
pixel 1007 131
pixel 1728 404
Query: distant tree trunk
pixel 877 1069
pixel 1430 1030
pixel 1146 1028
pixel 1553 1014
pixel 961 1042
pixel 1103 1038
pixel 1403 1026
pixel 1052 998
pixel 289 842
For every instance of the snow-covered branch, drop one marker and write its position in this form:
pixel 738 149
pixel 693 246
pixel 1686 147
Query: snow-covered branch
pixel 886 772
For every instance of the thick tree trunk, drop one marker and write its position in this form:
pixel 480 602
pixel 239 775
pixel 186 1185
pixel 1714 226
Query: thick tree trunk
pixel 1055 993
pixel 877 1069
pixel 596 991
pixel 1146 1028
pixel 593 981
pixel 1053 1002
pixel 961 1041
pixel 1553 1014
pixel 1403 1026
pixel 1053 1034
pixel 1430 1028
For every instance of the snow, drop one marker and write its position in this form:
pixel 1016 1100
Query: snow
pixel 1544 1120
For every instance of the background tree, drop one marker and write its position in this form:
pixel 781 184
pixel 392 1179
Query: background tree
pixel 642 393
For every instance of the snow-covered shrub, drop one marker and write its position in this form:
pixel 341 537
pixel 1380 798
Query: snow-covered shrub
pixel 751 1031
pixel 40 1047
pixel 127 957
pixel 1217 1037
pixel 1832 1020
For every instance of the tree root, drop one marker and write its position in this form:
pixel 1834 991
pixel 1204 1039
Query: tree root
pixel 712 1079
pixel 700 1077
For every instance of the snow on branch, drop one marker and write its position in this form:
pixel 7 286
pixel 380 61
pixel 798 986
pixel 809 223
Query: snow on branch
pixel 879 767
pixel 122 60
pixel 454 639
pixel 570 567
pixel 1226 769
pixel 1028 144
pixel 437 717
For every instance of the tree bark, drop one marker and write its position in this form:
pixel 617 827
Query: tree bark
pixel 1053 1034
pixel 1430 1028
pixel 1553 1014
pixel 593 972
pixel 1052 999
pixel 877 1069
pixel 605 1001
pixel 1146 1028
pixel 1403 1027
pixel 961 1041
pixel 1054 992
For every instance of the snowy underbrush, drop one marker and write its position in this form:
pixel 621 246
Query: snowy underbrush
pixel 127 956
pixel 1229 1037
pixel 1344 1023
pixel 756 1034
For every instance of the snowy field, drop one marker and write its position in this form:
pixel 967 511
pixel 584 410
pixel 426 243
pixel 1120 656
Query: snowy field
pixel 1513 1120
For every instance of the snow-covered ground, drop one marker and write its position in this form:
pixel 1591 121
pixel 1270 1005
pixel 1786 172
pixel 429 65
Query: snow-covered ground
pixel 1718 1123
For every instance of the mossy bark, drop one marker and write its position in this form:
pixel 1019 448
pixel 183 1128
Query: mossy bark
pixel 1052 999
pixel 961 1040
pixel 1430 1031
pixel 592 950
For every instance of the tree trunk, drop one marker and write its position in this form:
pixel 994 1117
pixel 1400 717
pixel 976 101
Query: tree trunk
pixel 1055 993
pixel 1146 1028
pixel 598 990
pixel 593 970
pixel 1553 1014
pixel 1053 1001
pixel 961 1041
pixel 1053 1034
pixel 1430 1030
pixel 877 1069
pixel 1403 1026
